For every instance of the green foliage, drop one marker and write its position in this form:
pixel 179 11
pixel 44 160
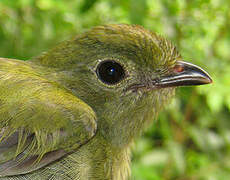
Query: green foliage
pixel 191 139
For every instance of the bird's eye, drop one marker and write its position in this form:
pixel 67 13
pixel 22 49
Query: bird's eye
pixel 110 72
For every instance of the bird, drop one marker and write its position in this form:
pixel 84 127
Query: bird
pixel 73 112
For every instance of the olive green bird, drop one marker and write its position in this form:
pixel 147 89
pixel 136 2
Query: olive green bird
pixel 73 112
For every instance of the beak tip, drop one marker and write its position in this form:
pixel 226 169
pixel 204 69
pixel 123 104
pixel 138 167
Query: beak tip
pixel 207 78
pixel 210 81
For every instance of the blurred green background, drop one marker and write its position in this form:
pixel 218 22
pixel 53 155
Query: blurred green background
pixel 191 138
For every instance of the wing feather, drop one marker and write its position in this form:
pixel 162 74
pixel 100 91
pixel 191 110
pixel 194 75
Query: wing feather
pixel 40 121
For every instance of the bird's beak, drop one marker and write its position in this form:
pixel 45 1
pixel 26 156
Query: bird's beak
pixel 184 74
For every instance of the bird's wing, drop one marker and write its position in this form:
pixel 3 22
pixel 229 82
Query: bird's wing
pixel 40 121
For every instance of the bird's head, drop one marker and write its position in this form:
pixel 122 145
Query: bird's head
pixel 125 73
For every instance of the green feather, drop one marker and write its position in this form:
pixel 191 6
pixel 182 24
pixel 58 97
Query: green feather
pixel 62 122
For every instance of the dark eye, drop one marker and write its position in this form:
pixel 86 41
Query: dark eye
pixel 110 72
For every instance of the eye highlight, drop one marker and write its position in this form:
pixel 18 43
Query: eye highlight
pixel 110 72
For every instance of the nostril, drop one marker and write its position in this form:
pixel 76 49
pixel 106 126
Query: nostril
pixel 178 68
